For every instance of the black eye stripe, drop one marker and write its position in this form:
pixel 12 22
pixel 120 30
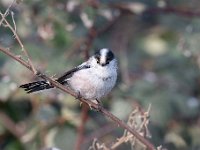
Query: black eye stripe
pixel 110 56
pixel 97 57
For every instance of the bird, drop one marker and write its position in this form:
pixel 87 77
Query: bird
pixel 91 80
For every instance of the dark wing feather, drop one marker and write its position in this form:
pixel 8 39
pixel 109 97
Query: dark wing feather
pixel 42 85
pixel 36 86
pixel 69 73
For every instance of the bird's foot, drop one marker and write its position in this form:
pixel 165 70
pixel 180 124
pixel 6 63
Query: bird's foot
pixel 90 106
pixel 78 95
pixel 98 102
pixel 99 105
pixel 81 104
pixel 99 108
pixel 39 74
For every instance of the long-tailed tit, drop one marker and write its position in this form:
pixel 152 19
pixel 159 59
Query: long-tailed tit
pixel 91 80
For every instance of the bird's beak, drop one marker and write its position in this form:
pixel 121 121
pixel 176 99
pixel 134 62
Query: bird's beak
pixel 103 64
pixel 103 61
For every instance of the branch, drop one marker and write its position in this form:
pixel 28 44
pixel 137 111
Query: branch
pixel 10 125
pixel 8 25
pixel 81 128
pixel 6 12
pixel 90 103
pixel 84 116
pixel 173 10
pixel 156 10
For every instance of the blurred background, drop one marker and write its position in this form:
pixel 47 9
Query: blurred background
pixel 157 46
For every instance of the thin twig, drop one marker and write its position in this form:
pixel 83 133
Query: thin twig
pixel 6 12
pixel 121 141
pixel 15 27
pixel 18 39
pixel 129 129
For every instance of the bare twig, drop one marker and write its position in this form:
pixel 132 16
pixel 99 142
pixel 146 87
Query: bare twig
pixel 98 146
pixel 15 27
pixel 128 128
pixel 8 25
pixel 139 121
pixel 6 12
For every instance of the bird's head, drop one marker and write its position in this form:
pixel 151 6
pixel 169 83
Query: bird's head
pixel 104 56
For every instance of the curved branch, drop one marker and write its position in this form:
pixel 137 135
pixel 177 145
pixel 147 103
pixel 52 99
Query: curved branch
pixel 90 103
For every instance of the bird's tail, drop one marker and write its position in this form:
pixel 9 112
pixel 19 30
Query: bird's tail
pixel 36 86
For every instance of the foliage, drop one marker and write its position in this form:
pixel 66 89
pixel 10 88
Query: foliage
pixel 156 43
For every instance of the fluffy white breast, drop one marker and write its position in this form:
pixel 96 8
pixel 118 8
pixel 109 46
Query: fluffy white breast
pixel 94 82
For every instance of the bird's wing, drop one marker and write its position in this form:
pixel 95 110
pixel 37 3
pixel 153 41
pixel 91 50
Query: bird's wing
pixel 69 73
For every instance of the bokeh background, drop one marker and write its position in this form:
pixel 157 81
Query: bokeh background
pixel 157 46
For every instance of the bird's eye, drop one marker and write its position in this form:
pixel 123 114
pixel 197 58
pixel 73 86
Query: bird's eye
pixel 98 59
pixel 110 56
pixel 108 59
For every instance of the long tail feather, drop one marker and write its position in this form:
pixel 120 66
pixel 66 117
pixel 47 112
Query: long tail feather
pixel 36 86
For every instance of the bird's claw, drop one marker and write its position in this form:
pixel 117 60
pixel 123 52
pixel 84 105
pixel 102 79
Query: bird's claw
pixel 99 106
pixel 90 106
pixel 78 95
pixel 39 74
